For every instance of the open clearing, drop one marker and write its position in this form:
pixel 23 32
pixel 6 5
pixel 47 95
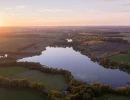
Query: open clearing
pixel 113 97
pixel 10 94
pixel 52 81
pixel 128 39
pixel 8 71
pixel 93 42
pixel 121 58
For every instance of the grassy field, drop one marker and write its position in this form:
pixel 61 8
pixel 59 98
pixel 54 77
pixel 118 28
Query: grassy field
pixel 9 94
pixel 112 97
pixel 128 39
pixel 121 58
pixel 57 82
pixel 8 71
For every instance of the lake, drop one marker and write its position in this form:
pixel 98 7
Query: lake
pixel 81 67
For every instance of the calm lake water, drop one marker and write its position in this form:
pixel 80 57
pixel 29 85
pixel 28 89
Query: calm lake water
pixel 81 66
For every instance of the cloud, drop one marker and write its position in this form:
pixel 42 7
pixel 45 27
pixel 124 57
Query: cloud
pixel 127 4
pixel 14 14
pixel 8 8
pixel 29 18
pixel 21 6
pixel 92 10
pixel 107 0
pixel 16 7
pixel 53 10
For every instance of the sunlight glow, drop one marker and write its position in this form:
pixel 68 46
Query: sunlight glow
pixel 64 12
pixel 1 22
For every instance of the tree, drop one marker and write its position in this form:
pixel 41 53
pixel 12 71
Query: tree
pixel 40 86
pixel 55 95
pixel 34 84
pixel 24 82
pixel 15 83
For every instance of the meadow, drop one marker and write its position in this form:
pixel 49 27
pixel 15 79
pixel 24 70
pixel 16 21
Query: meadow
pixel 52 81
pixel 128 39
pixel 121 58
pixel 8 71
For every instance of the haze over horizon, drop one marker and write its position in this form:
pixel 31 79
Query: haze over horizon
pixel 64 12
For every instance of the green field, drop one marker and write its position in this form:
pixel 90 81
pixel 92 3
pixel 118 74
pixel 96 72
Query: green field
pixel 128 39
pixel 112 97
pixel 8 71
pixel 52 81
pixel 10 94
pixel 121 58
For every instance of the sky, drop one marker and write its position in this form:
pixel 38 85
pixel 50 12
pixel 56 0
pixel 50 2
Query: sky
pixel 64 12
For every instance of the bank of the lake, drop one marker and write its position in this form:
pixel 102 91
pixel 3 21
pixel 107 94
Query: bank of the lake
pixel 80 66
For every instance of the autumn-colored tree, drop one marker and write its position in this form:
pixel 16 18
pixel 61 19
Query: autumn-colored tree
pixel 24 83
pixel 55 95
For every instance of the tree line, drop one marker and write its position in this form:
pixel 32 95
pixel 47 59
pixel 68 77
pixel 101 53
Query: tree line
pixel 77 90
pixel 21 83
pixel 99 38
pixel 36 66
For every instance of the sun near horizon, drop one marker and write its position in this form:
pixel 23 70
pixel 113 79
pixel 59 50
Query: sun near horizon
pixel 1 22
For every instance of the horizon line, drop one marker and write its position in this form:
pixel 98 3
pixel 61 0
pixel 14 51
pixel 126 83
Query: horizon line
pixel 67 26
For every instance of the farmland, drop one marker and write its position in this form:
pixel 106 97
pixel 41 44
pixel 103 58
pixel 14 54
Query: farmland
pixel 56 82
pixel 95 47
pixel 52 82
pixel 21 45
pixel 127 39
pixel 121 58
pixel 8 71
